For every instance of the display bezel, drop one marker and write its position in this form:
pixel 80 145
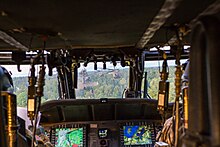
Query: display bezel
pixel 150 127
pixel 107 134
pixel 56 128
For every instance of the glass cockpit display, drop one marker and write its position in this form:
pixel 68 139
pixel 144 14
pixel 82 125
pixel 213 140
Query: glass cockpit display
pixel 103 133
pixel 137 135
pixel 69 137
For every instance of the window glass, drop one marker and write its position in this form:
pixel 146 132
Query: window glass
pixel 102 83
pixel 153 76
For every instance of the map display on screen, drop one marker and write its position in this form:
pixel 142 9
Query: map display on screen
pixel 137 135
pixel 69 137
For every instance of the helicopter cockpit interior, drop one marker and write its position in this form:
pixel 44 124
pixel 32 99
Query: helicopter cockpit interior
pixel 59 37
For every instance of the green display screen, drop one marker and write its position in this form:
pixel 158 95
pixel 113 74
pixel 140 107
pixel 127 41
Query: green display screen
pixel 137 135
pixel 69 137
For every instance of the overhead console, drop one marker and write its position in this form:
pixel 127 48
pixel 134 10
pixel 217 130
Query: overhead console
pixel 101 122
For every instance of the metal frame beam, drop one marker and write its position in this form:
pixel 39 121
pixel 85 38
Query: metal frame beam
pixel 165 12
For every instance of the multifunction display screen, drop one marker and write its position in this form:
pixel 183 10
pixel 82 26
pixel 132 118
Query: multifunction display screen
pixel 137 135
pixel 69 137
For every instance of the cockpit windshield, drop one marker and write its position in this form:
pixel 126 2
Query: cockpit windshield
pixel 110 82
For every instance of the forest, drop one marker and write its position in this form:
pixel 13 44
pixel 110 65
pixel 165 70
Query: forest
pixel 96 84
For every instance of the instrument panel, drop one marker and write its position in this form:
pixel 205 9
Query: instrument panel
pixel 97 123
pixel 105 134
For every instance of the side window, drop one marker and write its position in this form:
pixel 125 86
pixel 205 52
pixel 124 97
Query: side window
pixel 153 77
pixel 20 82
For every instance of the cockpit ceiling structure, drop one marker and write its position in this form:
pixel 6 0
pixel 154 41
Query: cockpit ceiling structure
pixel 71 24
